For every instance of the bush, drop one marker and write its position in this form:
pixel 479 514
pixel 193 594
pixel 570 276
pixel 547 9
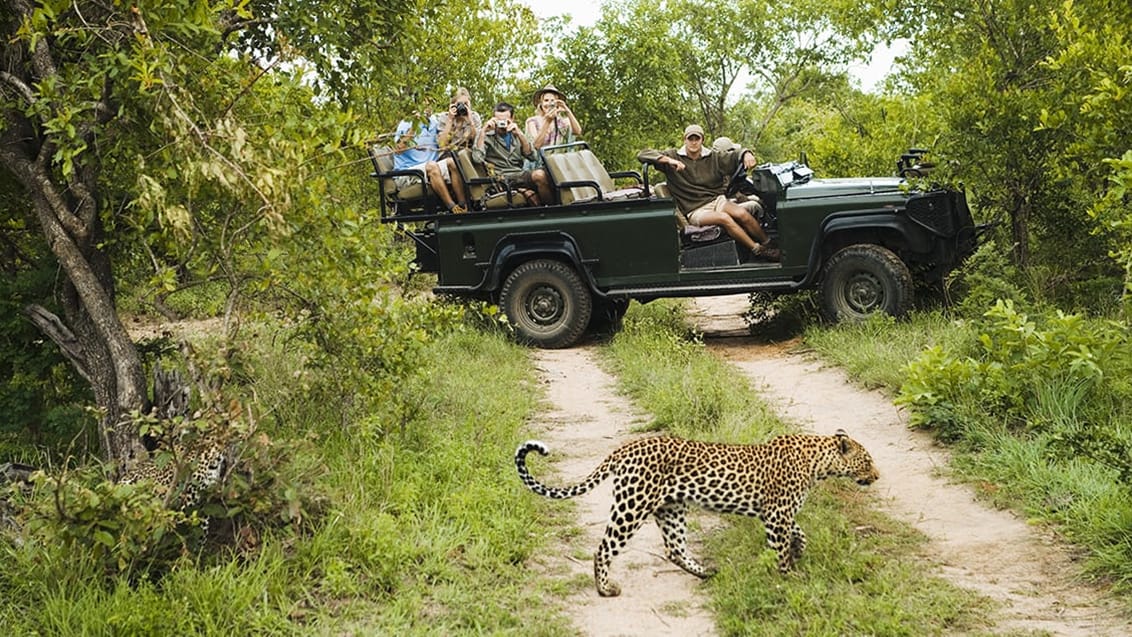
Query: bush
pixel 985 278
pixel 1047 375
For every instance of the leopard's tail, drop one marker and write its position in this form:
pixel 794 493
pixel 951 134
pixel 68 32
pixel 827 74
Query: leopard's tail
pixel 600 473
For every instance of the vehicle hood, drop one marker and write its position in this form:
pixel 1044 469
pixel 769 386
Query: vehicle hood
pixel 841 187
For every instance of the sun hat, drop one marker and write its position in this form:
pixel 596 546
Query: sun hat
pixel 693 129
pixel 549 88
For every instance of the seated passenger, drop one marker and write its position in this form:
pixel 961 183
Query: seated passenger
pixel 553 122
pixel 751 202
pixel 418 150
pixel 458 126
pixel 502 147
pixel 697 181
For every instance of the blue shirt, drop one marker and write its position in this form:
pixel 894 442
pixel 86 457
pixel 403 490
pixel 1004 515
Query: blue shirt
pixel 424 146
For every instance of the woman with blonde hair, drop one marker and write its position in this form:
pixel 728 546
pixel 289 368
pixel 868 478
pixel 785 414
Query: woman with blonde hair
pixel 553 121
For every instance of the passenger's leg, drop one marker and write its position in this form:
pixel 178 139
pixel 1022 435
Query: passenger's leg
pixel 748 222
pixel 457 183
pixel 542 183
pixel 729 225
pixel 436 180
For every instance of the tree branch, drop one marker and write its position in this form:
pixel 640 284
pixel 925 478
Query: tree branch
pixel 21 87
pixel 61 335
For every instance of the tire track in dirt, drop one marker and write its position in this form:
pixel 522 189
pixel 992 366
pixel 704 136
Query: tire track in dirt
pixel 585 421
pixel 1030 576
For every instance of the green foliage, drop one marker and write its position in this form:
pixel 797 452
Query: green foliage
pixel 986 277
pixel 1028 117
pixel 644 71
pixel 876 351
pixel 1053 445
pixel 852 580
pixel 41 396
pixel 117 529
pixel 782 316
pixel 1017 356
pixel 413 530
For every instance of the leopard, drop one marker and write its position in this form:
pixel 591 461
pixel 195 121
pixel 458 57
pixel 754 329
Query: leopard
pixel 663 475
pixel 183 480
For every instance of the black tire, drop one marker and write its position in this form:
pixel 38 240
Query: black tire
pixel 547 303
pixel 862 279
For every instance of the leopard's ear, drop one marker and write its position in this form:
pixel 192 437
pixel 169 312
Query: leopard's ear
pixel 842 440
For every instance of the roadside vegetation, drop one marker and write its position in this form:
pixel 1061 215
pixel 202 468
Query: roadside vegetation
pixel 1035 402
pixel 416 525
pixel 861 572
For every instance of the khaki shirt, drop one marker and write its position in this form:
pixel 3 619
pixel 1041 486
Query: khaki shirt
pixel 702 180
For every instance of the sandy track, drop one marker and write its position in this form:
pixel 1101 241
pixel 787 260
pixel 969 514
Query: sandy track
pixel 982 549
pixel 585 422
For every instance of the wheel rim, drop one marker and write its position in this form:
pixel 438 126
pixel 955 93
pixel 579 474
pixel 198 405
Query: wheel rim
pixel 544 306
pixel 864 293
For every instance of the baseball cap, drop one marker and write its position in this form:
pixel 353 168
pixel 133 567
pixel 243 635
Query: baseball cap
pixel 693 129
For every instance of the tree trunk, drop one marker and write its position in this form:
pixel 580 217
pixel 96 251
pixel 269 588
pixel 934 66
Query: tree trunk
pixel 67 206
pixel 1020 228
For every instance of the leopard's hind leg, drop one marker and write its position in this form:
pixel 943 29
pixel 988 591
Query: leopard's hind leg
pixel 623 524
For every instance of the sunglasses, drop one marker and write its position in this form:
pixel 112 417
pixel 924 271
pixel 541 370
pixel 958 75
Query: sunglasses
pixel 693 138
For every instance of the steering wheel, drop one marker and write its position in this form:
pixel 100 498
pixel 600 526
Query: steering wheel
pixel 737 180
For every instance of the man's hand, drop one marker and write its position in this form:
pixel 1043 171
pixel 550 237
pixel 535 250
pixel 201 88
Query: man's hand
pixel 749 160
pixel 675 163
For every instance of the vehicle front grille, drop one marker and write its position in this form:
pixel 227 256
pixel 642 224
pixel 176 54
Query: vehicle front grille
pixel 934 211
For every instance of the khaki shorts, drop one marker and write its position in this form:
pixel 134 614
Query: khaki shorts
pixel 695 217
pixel 404 181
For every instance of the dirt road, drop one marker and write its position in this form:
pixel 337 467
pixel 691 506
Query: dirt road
pixel 990 551
pixel 586 421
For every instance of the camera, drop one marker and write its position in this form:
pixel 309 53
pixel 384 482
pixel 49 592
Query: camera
pixel 461 109
pixel 501 125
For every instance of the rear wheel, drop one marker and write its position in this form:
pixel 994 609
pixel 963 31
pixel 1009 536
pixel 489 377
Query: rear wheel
pixel 547 302
pixel 863 279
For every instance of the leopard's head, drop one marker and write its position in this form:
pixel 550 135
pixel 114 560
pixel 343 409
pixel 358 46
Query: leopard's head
pixel 855 462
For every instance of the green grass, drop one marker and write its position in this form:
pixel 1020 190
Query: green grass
pixel 1023 460
pixel 875 351
pixel 425 531
pixel 862 572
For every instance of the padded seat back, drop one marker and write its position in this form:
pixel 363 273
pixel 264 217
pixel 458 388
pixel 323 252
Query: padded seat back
pixel 580 177
pixel 569 168
pixel 382 159
pixel 482 187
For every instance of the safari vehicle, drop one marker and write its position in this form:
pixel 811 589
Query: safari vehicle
pixel 559 269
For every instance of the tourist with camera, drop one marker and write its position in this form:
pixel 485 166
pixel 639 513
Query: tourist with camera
pixel 458 126
pixel 553 122
pixel 502 147
pixel 416 147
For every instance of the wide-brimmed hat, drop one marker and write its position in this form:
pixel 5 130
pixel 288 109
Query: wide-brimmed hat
pixel 693 129
pixel 549 88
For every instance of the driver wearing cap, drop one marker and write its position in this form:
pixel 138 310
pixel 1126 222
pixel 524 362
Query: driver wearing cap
pixel 697 178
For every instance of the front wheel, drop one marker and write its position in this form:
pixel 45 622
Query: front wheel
pixel 862 279
pixel 547 302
